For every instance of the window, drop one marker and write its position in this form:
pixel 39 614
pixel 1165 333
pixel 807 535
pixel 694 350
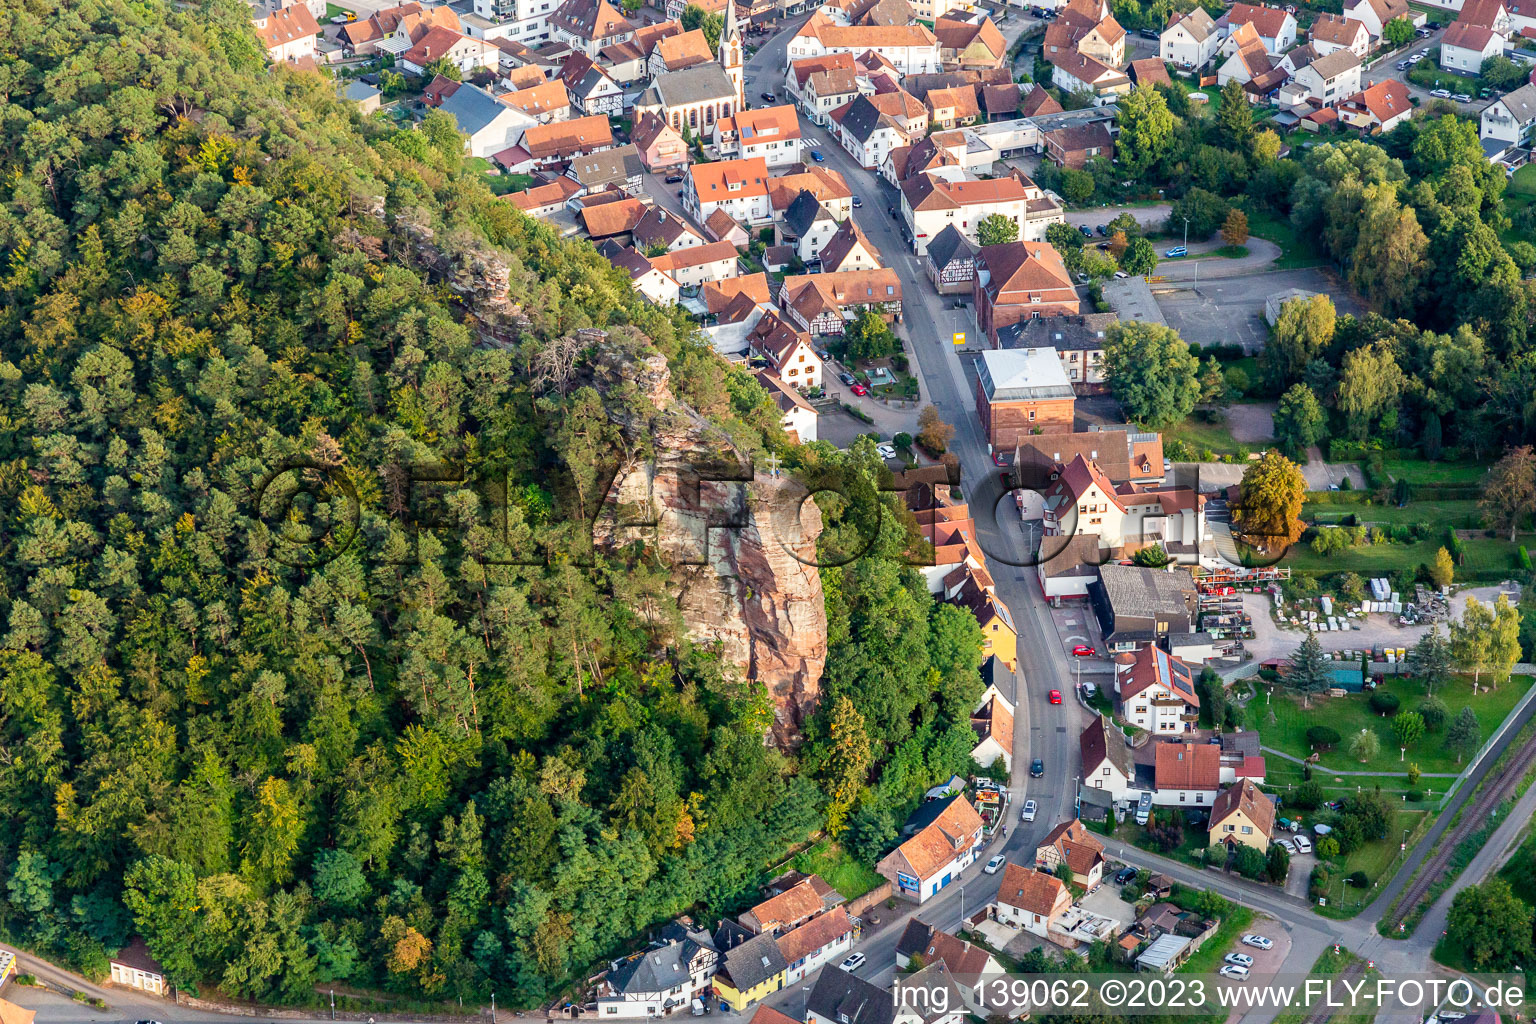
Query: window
pixel 1183 797
pixel 1229 828
pixel 1106 771
pixel 610 1009
pixel 1199 798
pixel 1247 830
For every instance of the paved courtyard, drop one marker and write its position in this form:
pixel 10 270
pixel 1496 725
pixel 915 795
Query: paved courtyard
pixel 1231 310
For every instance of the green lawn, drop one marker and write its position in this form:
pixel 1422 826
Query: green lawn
pixel 1283 724
pixel 1207 959
pixel 1463 515
pixel 1295 251
pixel 1520 193
pixel 1420 471
pixel 841 871
pixel 332 11
pixel 1229 252
pixel 1487 557
pixel 1198 434
pixel 1518 870
pixel 1378 860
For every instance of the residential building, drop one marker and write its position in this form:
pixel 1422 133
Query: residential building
pixel 466 53
pixel 826 91
pixel 867 132
pixel 1106 759
pixel 615 220
pixel 721 295
pixel 772 133
pixel 588 26
pixel 1081 501
pixel 807 225
pixel 823 303
pixel 491 126
pixel 1247 61
pixel 752 967
pixel 946 845
pixel 1511 119
pixel 1001 102
pixel 1189 40
pixel 545 102
pixel 797 416
pixel 1243 815
pixel 1038 103
pixel 1088 28
pixel 133 965
pixel 545 200
pixel 1136 607
pixel 674 53
pixel 363 36
pixel 1071 843
pixel 1386 105
pixel 948 108
pixel 1080 73
pixel 662 979
pixel 841 998
pixel 1067 563
pixel 1325 81
pixel 1465 46
pixel 911 49
pixel 557 144
pixel 969 42
pixel 693 98
pixel 1487 13
pixel 592 89
pixel 618 168
pixel 992 722
pixel 1329 33
pixel 1275 26
pixel 739 187
pixel 1149 71
pixel 969 965
pixel 695 265
pixel 525 21
pixel 661 227
pixel 660 145
pixel 791 906
pixel 1075 145
pixel 1375 14
pixel 1077 340
pixel 849 249
pixel 1123 455
pixel 799 73
pixel 950 260
pixel 816 943
pixel 289 33
pixel 827 186
pixel 367 98
pixel 1157 691
pixel 657 287
pixel 1020 390
pixel 788 351
pixel 720 227
pixel 930 203
pixel 1186 774
pixel 1017 281
pixel 1030 899
pixel 975 592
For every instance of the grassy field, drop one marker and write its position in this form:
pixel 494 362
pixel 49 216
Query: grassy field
pixel 1520 193
pixel 1487 557
pixel 1349 714
pixel 1199 434
pixel 1378 860
pixel 1463 515
pixel 1421 471
pixel 1517 871
pixel 845 874
pixel 1295 251
pixel 1207 959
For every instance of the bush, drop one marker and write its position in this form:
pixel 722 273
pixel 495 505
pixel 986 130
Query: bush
pixel 1322 736
pixel 1414 796
pixel 1308 796
pixel 902 440
pixel 1384 703
pixel 1359 879
pixel 1523 558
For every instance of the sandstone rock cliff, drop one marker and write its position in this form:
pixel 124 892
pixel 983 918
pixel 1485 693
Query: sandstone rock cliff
pixel 741 540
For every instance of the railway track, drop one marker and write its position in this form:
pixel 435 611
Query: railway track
pixel 1350 973
pixel 1474 816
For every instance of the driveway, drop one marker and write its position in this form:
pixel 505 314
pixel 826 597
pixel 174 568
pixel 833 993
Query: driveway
pixel 1154 217
pixel 1250 421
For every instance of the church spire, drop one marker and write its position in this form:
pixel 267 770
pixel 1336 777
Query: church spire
pixel 729 53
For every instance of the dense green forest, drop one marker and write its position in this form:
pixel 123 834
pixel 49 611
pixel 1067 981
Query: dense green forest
pixel 396 761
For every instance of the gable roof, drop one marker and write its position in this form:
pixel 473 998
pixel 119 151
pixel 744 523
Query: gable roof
pixel 1244 796
pixel 694 84
pixel 1389 98
pixel 797 902
pixel 841 244
pixel 1097 746
pixel 752 962
pixel 712 182
pixel 473 108
pixel 763 124
pixel 784 396
pixel 1468 36
pixel 722 226
pixel 610 219
pixel 861 118
pixel 1078 847
pixel 544 98
pixel 286 25
pixel 1149 72
pixel 566 138
pixel 948 246
pixel 962 99
pixel 863 37
pixel 814 934
pixel 1038 102
pixel 1334 64
pixel 594 169
pixel 1187 766
pixel 1024 266
pixel 923 940
pixel 1486 13
pixel 1197 23
pixel 994 720
pixel 1030 890
pixel 439 89
pixel 1156 667
pixel 958 32
pixel 694 256
pixel 1332 29
pixel 649 126
pixel 557 191
pixel 775 336
pixel 1078 138
pixel 436 42
pixel 825 184
pixel 1269 21
pixel 661 227
pixel 1147 591
pixel 804 68
pixel 684 50
pixel 591 19
pixel 1385 10
pixel 950 833
pixel 840 996
pixel 1000 100
pixel 1521 103
pixel 657 969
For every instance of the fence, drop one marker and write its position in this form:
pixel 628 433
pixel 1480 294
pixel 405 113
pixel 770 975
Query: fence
pixel 1504 726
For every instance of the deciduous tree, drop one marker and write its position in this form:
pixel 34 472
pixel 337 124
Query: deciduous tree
pixel 1299 419
pixel 1509 494
pixel 1270 497
pixel 1151 371
pixel 995 229
pixel 1234 230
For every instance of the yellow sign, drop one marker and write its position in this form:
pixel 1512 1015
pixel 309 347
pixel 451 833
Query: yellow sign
pixel 959 337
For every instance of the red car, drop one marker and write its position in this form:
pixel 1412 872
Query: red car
pixel 1083 652
pixel 859 389
pixel 998 460
pixel 1055 696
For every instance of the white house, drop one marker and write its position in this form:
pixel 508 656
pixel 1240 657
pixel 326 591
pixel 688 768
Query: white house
pixel 1511 118
pixel 492 126
pixel 772 133
pixel 1157 692
pixel 1274 25
pixel 663 979
pixel 695 265
pixel 1030 899
pixel 946 843
pixel 1384 105
pixel 1106 759
pixel 1190 41
pixel 1464 47
pixel 1186 774
pixel 992 721
pixel 789 352
pixel 1325 81
pixel 798 417
pixel 289 34
pixel 930 203
pixel 1071 843
pixel 465 52
pixel 866 132
pixel 1375 14
pixel 739 187
pixel 911 49
pixel 134 967
pixel 659 288
pixel 816 943
pixel 1329 33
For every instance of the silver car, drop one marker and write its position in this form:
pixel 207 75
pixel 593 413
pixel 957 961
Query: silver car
pixel 1028 813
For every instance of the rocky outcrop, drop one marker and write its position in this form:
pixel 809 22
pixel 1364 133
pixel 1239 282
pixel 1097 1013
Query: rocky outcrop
pixel 741 540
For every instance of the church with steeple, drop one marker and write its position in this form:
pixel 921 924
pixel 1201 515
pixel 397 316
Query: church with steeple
pixel 729 53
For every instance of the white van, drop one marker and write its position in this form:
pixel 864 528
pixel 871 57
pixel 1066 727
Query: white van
pixel 1144 809
pixel 1303 844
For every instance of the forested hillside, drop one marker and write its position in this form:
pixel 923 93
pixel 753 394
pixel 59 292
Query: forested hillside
pixel 340 740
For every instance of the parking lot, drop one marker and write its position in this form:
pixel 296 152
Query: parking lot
pixel 1229 310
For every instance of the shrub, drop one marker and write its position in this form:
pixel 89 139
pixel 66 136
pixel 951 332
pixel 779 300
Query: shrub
pixel 1322 736
pixel 1523 557
pixel 1414 795
pixel 1384 703
pixel 902 440
pixel 1359 879
pixel 1308 796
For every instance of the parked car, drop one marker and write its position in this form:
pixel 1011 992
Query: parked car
pixel 1124 875
pixel 1121 274
pixel 1028 813
pixel 858 203
pixel 1257 941
pixel 852 963
pixel 1036 768
pixel 816 155
pixel 1176 251
pixel 769 96
pixel 885 451
pixel 1087 232
pixel 1461 97
pixel 1303 844
pixel 1101 229
pixel 1431 25
pixel 1241 959
pixel 1083 651
pixel 847 379
pixel 859 389
pixel 1402 65
pixel 1286 845
pixel 1090 691
pixel 1425 33
pixel 1148 33
pixel 1055 696
pixel 673 179
pixel 995 864
pixel 1234 972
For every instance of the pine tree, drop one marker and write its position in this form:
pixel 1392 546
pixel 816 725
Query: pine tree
pixel 1463 735
pixel 1309 669
pixel 1430 658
